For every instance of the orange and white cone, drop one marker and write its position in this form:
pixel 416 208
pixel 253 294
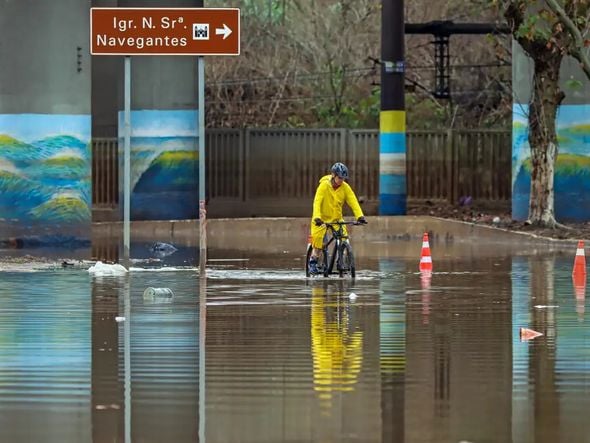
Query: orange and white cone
pixel 425 258
pixel 528 334
pixel 579 271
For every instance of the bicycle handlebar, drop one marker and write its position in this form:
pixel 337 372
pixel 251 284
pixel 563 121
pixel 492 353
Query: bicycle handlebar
pixel 353 223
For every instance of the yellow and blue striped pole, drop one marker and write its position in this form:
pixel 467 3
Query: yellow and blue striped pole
pixel 392 120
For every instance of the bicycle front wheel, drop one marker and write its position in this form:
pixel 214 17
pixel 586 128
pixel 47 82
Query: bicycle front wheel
pixel 322 264
pixel 346 261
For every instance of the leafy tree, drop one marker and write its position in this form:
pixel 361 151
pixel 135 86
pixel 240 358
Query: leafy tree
pixel 540 31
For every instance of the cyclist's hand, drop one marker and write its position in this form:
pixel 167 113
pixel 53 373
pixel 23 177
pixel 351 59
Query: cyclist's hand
pixel 361 220
pixel 318 221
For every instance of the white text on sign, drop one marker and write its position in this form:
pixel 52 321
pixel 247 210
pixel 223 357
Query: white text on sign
pixel 124 25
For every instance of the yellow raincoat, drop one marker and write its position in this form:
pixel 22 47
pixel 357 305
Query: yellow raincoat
pixel 327 206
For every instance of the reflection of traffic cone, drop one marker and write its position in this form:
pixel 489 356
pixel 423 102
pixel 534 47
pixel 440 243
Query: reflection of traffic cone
pixel 579 281
pixel 425 258
pixel 528 334
pixel 425 279
pixel 580 262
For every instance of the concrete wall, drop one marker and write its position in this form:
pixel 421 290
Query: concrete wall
pixel 399 236
pixel 45 116
pixel 39 54
pixel 572 188
pixel 164 139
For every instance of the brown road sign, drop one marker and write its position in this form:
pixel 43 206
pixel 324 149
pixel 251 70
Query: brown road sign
pixel 164 31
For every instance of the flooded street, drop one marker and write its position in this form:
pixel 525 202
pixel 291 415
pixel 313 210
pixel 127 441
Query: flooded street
pixel 271 356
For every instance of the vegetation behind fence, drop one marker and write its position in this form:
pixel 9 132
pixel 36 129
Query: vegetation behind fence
pixel 273 172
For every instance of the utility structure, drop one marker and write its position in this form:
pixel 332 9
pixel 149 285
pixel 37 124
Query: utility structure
pixel 442 30
pixel 392 118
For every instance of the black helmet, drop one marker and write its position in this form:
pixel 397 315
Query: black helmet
pixel 340 170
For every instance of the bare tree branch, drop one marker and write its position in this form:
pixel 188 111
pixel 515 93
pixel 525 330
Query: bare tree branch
pixel 577 48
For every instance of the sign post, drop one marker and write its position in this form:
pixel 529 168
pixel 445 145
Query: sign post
pixel 202 194
pixel 127 166
pixel 165 31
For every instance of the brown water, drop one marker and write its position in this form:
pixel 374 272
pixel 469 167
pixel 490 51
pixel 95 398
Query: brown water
pixel 390 357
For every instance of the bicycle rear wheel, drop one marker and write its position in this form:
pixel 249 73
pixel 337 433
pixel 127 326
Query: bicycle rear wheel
pixel 346 261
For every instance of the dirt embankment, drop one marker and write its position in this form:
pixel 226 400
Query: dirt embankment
pixel 494 214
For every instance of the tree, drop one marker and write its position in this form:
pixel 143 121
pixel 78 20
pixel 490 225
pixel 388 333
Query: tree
pixel 547 35
pixel 315 63
pixel 575 18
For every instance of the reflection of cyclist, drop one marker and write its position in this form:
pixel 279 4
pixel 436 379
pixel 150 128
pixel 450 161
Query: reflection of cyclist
pixel 329 198
pixel 336 347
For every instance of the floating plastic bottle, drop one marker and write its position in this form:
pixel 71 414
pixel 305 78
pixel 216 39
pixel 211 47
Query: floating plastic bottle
pixel 152 293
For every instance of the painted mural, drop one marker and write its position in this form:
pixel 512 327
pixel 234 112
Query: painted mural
pixel 45 170
pixel 164 164
pixel 572 170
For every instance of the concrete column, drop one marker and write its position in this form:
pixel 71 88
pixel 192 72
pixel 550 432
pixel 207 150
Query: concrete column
pixel 164 130
pixel 392 120
pixel 45 170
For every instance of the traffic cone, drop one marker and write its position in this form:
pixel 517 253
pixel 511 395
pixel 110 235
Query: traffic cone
pixel 580 262
pixel 528 334
pixel 425 258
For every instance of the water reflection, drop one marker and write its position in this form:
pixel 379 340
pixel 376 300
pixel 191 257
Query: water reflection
pixel 337 343
pixel 458 366
pixel 240 357
pixel 202 358
pixel 108 389
pixel 144 360
pixel 551 393
pixel 295 364
pixel 85 359
pixel 145 254
pixel 579 284
pixel 45 358
pixel 392 348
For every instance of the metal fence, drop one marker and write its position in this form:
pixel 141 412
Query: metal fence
pixel 272 172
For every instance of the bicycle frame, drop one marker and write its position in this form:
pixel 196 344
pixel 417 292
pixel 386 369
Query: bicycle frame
pixel 337 237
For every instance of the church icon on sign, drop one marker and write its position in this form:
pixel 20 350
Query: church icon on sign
pixel 200 31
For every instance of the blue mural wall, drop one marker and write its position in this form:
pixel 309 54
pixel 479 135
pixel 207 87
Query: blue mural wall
pixel 572 169
pixel 45 171
pixel 164 164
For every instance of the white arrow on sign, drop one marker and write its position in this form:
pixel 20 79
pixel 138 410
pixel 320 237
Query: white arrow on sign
pixel 225 31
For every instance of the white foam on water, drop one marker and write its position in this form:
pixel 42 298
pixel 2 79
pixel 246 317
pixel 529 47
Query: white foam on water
pixel 101 269
pixel 164 269
pixel 275 274
pixel 227 259
pixel 27 267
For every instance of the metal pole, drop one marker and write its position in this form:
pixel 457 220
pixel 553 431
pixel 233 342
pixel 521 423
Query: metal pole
pixel 392 120
pixel 202 208
pixel 127 165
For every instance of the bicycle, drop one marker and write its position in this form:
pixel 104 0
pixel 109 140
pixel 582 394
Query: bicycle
pixel 342 255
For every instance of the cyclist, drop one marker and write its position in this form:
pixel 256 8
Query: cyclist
pixel 329 198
